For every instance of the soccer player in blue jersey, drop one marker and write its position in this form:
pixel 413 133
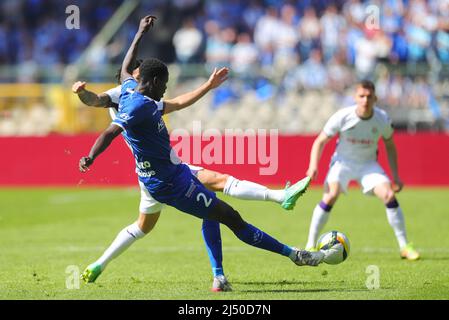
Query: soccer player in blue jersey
pixel 164 176
pixel 150 209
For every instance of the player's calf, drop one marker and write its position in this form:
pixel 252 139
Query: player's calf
pixel 253 236
pixel 146 222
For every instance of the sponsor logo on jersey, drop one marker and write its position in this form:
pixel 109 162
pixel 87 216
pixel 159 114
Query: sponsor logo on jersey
pixel 142 169
pixel 161 125
pixel 191 189
pixel 124 116
pixel 145 174
pixel 143 165
pixel 360 141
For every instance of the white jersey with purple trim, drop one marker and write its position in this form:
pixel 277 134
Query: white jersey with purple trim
pixel 358 138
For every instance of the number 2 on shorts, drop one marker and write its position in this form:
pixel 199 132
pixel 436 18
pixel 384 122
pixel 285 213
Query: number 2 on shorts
pixel 206 202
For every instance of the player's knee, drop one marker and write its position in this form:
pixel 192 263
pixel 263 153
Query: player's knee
pixel 145 227
pixel 226 215
pixel 390 198
pixel 147 222
pixel 330 198
pixel 221 181
pixel 236 221
pixel 387 196
pixel 216 182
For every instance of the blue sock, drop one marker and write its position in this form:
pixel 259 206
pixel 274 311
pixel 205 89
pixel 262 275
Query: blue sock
pixel 257 238
pixel 212 239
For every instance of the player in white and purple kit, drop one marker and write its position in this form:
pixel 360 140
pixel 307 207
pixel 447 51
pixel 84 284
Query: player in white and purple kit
pixel 359 128
pixel 165 178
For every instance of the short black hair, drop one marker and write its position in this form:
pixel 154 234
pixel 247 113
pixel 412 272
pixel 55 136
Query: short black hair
pixel 151 68
pixel 367 84
pixel 136 63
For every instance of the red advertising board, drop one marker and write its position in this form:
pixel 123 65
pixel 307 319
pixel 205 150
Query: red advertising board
pixel 53 160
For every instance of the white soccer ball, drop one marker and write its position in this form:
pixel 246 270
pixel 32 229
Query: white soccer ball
pixel 335 246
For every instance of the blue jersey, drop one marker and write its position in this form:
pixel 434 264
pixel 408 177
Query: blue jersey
pixel 147 135
pixel 167 180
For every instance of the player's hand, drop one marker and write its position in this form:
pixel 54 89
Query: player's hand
pixel 397 185
pixel 146 23
pixel 85 163
pixel 78 87
pixel 218 77
pixel 312 173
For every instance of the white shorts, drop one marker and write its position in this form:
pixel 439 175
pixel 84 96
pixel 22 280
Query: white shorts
pixel 148 205
pixel 368 175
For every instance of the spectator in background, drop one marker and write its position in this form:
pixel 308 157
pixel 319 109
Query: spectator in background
pixel 442 45
pixel 244 56
pixel 313 74
pixel 251 15
pixel 390 21
pixel 286 39
pixel 354 12
pixel 266 59
pixel 219 45
pixel 332 25
pixel 310 31
pixel 187 42
pixel 265 32
pixel 418 38
pixel 186 7
pixel 396 6
pixel 399 49
pixel 339 75
pixel 365 55
pixel 383 45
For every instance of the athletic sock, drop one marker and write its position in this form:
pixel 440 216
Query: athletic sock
pixel 248 190
pixel 257 238
pixel 397 222
pixel 212 239
pixel 124 239
pixel 319 219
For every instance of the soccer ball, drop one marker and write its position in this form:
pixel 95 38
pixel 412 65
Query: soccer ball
pixel 335 246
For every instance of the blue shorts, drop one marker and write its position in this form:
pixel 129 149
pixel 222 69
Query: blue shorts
pixel 186 193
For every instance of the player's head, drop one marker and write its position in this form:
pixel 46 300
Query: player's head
pixel 133 69
pixel 365 95
pixel 153 78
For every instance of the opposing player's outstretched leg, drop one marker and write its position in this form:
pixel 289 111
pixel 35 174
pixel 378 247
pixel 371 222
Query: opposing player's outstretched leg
pixel 396 219
pixel 321 214
pixel 123 241
pixel 224 213
pixel 247 190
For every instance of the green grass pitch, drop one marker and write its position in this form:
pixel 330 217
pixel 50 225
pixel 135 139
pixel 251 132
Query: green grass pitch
pixel 45 231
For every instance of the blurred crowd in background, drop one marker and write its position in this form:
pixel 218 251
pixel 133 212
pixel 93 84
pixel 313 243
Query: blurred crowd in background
pixel 272 47
pixel 243 33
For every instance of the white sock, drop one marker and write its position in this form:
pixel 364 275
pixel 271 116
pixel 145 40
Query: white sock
pixel 124 239
pixel 396 220
pixel 319 219
pixel 248 190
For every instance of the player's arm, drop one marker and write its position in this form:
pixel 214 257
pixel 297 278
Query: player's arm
pixel 316 152
pixel 90 98
pixel 100 145
pixel 145 24
pixel 215 80
pixel 393 161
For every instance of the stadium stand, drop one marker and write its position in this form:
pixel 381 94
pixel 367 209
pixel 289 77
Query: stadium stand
pixel 293 62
